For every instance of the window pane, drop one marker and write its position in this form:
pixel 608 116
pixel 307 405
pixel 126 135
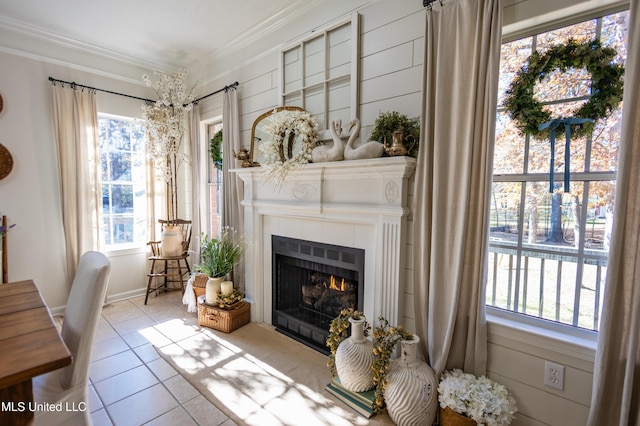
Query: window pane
pixel 122 198
pixel 509 147
pixel 120 166
pixel 549 248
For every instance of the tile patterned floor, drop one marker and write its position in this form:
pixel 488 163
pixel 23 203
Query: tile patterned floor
pixel 130 384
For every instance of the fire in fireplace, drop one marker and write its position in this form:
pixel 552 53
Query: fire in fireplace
pixel 312 283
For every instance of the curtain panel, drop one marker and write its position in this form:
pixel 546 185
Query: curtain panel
pixel 233 190
pixel 453 182
pixel 616 374
pixel 76 130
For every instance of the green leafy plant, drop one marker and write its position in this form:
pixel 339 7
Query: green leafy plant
pixel 219 255
pixel 385 338
pixel 215 149
pixel 389 122
pixel 338 332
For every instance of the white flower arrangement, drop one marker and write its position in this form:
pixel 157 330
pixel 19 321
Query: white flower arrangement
pixel 283 127
pixel 480 399
pixel 165 127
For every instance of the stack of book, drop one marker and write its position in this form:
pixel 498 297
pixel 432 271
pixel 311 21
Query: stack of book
pixel 361 402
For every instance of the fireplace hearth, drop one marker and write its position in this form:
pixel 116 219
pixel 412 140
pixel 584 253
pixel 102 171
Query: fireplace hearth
pixel 312 283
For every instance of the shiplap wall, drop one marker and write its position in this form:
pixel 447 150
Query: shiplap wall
pixel 392 50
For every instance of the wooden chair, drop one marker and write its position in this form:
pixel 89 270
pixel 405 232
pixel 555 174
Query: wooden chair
pixel 167 270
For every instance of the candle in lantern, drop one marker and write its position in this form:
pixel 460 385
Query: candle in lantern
pixel 226 288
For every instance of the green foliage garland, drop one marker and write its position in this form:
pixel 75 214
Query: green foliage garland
pixel 215 149
pixel 338 332
pixel 606 85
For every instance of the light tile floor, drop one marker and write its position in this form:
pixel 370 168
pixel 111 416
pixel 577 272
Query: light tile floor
pixel 130 384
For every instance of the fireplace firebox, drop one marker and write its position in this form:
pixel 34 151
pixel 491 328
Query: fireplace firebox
pixel 312 283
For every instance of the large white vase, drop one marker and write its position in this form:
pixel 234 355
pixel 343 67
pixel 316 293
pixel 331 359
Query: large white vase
pixel 171 240
pixel 411 394
pixel 354 358
pixel 212 289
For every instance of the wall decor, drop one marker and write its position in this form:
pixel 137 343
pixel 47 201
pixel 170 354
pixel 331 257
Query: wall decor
pixel 6 162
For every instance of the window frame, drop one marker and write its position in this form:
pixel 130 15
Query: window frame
pixel 509 323
pixel 133 247
pixel 354 67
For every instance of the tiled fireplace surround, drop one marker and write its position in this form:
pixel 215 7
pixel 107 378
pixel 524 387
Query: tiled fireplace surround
pixel 360 203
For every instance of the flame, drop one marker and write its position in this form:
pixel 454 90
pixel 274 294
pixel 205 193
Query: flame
pixel 334 286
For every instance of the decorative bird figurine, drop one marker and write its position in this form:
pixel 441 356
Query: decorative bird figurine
pixel 371 149
pixel 335 152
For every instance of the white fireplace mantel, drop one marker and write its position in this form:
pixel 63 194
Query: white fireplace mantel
pixel 360 203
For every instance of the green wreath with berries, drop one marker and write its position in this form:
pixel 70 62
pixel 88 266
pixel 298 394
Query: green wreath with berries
pixel 606 86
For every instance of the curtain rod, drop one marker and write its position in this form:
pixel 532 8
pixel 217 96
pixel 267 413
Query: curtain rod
pixel 74 84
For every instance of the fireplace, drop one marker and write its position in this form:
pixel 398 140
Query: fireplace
pixel 312 283
pixel 362 204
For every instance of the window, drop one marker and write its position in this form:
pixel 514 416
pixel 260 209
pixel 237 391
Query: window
pixel 320 73
pixel 548 251
pixel 124 202
pixel 214 182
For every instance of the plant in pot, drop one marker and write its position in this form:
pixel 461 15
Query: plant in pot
pixel 218 256
pixel 467 399
pixel 407 133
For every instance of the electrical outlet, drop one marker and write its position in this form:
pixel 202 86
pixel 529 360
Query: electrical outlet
pixel 554 375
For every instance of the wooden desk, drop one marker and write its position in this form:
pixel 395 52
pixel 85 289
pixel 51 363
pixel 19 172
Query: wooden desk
pixel 30 345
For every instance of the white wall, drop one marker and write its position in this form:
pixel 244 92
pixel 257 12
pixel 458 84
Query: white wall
pixel 30 195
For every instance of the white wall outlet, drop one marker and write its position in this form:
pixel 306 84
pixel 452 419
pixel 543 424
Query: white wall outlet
pixel 554 375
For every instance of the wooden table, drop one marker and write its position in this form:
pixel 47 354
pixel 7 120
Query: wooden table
pixel 30 345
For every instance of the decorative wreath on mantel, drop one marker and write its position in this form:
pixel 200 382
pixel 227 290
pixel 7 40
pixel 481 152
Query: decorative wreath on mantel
pixel 606 86
pixel 284 129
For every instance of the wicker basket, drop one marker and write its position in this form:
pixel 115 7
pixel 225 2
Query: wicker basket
pixel 200 284
pixel 225 320
pixel 448 417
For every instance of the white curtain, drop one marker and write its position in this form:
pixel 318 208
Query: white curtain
pixel 453 182
pixel 616 374
pixel 76 126
pixel 233 190
pixel 199 166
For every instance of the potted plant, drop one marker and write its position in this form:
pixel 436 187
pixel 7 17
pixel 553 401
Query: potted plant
pixel 389 122
pixel 477 398
pixel 218 256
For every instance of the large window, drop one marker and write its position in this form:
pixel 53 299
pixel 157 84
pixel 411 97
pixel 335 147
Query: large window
pixel 320 72
pixel 123 182
pixel 548 250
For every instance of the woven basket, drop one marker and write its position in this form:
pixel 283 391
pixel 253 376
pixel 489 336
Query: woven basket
pixel 225 320
pixel 200 284
pixel 448 417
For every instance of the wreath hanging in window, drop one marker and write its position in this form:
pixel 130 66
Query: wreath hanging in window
pixel 606 93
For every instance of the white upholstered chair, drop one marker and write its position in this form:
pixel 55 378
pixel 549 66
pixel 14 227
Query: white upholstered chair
pixel 69 384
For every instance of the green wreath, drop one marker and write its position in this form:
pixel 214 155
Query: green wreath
pixel 606 86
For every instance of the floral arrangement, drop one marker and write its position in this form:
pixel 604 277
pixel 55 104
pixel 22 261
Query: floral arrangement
pixel 606 80
pixel 481 399
pixel 219 255
pixel 338 332
pixel 165 127
pixel 385 338
pixel 228 300
pixel 283 128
